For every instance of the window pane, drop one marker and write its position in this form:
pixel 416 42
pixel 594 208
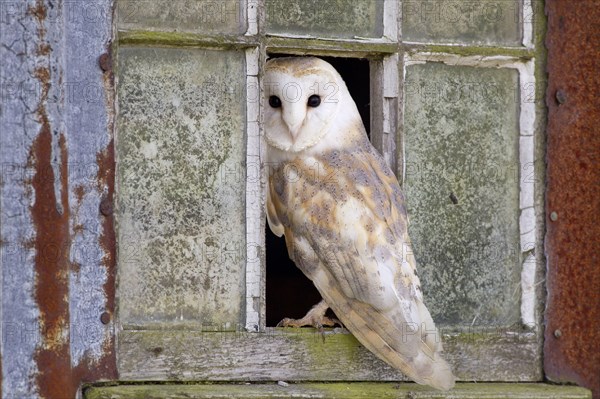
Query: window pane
pixel 488 22
pixel 462 188
pixel 180 148
pixel 200 16
pixel 328 18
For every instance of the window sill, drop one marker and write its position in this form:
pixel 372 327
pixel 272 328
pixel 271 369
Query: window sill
pixel 384 390
pixel 303 354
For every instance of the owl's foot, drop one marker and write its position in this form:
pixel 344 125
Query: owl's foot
pixel 314 318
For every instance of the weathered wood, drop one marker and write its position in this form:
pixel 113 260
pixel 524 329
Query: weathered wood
pixel 384 93
pixel 185 39
pixel 338 391
pixel 376 92
pixel 328 47
pixel 307 355
pixel 255 212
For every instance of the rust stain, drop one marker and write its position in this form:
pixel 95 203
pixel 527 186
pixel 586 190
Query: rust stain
pixel 39 13
pixel 51 265
pixel 51 222
pixel 79 228
pixel 572 335
pixel 105 62
pixel 107 367
pixel 106 180
pixel 79 193
pixel 44 49
pixel 43 75
pixel 106 162
pixel 56 378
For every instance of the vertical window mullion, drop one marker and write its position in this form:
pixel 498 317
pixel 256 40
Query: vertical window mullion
pixel 254 209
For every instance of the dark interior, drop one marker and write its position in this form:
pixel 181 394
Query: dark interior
pixel 288 292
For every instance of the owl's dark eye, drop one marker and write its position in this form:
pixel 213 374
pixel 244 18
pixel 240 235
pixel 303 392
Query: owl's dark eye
pixel 314 101
pixel 274 102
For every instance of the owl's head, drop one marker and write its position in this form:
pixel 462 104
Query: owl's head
pixel 306 103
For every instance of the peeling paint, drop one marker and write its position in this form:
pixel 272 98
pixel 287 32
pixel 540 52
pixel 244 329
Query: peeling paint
pixel 53 292
pixel 93 285
pixel 527 18
pixel 255 219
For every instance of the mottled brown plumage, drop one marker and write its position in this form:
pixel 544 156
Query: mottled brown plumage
pixel 343 216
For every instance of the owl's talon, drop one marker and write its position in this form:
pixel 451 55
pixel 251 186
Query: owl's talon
pixel 314 318
pixel 284 322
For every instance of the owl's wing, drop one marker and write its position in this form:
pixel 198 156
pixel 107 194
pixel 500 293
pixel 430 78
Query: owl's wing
pixel 345 227
pixel 274 223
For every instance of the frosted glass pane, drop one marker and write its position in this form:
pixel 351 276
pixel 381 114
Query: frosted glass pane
pixel 180 147
pixel 198 16
pixel 462 187
pixel 486 22
pixel 326 18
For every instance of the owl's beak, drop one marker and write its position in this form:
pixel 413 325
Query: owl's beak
pixel 293 118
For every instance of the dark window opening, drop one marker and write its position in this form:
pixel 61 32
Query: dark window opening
pixel 288 292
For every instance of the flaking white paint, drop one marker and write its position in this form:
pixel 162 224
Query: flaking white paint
pixel 254 196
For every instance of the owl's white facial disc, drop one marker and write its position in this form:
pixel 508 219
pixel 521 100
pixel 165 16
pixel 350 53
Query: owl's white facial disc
pixel 303 98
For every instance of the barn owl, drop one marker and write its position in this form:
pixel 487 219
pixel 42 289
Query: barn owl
pixel 342 213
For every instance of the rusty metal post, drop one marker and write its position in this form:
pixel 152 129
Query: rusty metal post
pixel 56 153
pixel 572 336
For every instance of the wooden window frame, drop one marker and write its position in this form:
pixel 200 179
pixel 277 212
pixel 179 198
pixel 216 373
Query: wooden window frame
pixel 256 352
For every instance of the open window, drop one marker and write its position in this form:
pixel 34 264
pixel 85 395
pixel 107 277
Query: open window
pixel 288 292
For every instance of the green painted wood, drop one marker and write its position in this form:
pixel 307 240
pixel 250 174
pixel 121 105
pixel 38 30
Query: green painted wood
pixel 338 391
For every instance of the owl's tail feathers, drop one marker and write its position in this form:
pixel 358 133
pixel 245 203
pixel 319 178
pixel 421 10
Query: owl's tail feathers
pixel 422 364
pixel 429 358
pixel 441 376
pixel 417 356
